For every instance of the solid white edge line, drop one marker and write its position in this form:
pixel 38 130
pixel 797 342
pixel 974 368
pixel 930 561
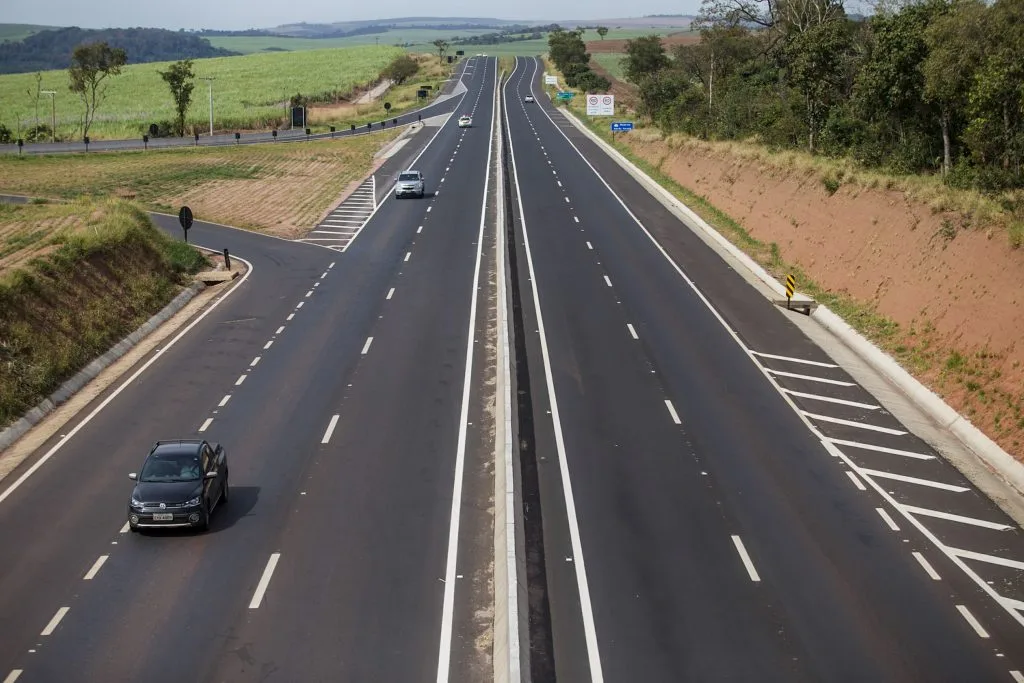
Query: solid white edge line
pixel 1017 676
pixel 586 609
pixel 91 574
pixel 747 562
pixel 261 587
pixel 366 346
pixel 206 424
pixel 330 429
pixel 856 480
pixel 982 633
pixel 927 566
pixel 52 626
pixel 114 394
pixel 448 604
pixel 13 676
pixel 672 412
pixel 889 522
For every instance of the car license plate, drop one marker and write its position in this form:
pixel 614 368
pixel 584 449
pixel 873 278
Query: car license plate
pixel 163 517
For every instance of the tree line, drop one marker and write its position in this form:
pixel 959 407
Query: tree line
pixel 569 53
pixel 920 86
pixel 50 49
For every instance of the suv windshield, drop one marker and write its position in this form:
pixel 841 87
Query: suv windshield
pixel 171 467
pixel 409 176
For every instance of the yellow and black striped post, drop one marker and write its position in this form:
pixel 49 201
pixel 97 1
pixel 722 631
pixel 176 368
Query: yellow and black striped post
pixel 790 288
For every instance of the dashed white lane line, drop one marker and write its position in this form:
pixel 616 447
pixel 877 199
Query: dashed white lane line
pixel 559 182
pixel 330 266
pixel 881 449
pixel 1017 676
pixel 607 281
pixel 13 676
pixel 590 246
pixel 52 626
pixel 255 361
pixel 290 316
pixel 241 378
pixel 330 429
pixel 366 346
pixel 391 293
pixel 429 208
pixel 408 255
pixel 224 401
pixel 856 481
pixel 888 520
pixel 91 574
pixel 810 378
pixel 566 200
pixel 261 588
pixel 742 550
pixel 938 514
pixel 829 399
pixel 795 360
pixel 853 423
pixel 927 566
pixel 576 218
pixel 206 424
pixel 632 330
pixel 268 344
pixel 672 412
pixel 914 480
pixel 982 633
pixel 309 293
pixel 324 275
pixel 419 230
pixel 280 330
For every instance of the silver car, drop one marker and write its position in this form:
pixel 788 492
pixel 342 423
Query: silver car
pixel 409 183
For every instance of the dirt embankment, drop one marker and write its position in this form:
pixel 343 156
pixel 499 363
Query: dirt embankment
pixel 953 284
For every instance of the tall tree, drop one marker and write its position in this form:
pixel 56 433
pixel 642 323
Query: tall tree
pixel 180 79
pixel 602 31
pixel 442 47
pixel 91 65
pixel 645 56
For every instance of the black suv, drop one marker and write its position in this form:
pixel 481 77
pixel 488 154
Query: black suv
pixel 180 484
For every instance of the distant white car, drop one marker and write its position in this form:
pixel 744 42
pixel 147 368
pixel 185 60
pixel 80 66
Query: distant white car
pixel 465 121
pixel 528 98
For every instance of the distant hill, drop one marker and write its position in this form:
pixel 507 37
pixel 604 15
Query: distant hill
pixel 52 49
pixel 340 28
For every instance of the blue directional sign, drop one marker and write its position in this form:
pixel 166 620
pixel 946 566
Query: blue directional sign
pixel 620 126
pixel 564 95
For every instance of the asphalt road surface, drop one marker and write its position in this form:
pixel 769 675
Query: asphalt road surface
pixel 343 387
pixel 695 525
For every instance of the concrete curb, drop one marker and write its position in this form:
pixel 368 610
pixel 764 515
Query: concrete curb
pixel 974 440
pixel 90 371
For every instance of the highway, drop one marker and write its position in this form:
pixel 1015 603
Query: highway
pixel 348 390
pixel 695 526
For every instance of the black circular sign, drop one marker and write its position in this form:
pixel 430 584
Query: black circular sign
pixel 387 106
pixel 185 218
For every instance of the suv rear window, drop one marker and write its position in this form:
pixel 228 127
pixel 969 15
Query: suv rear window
pixel 409 176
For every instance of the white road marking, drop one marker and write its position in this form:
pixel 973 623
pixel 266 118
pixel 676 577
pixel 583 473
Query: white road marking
pixel 91 574
pixel 290 316
pixel 672 412
pixel 741 549
pixel 809 378
pixel 51 627
pixel 300 304
pixel 324 275
pixel 852 423
pixel 124 529
pixel 331 232
pixel 927 566
pixel 938 514
pixel 586 608
pixel 590 246
pixel 280 330
pixel 566 200
pixel 795 360
pixel 330 429
pixel 632 331
pixel 366 346
pixel 576 218
pixel 241 378
pixel 330 266
pixel 856 481
pixel 982 633
pixel 391 293
pixel 206 425
pixel 981 557
pixel 1017 676
pixel 607 281
pixel 13 676
pixel 261 588
pixel 224 401
pixel 881 449
pixel 268 344
pixel 914 480
pixel 888 520
pixel 829 399
pixel 408 255
pixel 559 182
pixel 429 208
pixel 419 230
pixel 255 361
pixel 309 293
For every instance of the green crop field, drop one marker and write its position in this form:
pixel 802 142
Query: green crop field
pixel 249 91
pixel 610 62
pixel 419 38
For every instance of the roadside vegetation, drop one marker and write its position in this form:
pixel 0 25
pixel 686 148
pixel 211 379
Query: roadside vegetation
pixel 74 280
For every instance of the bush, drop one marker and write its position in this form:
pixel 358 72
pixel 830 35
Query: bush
pixel 6 137
pixel 401 69
pixel 184 258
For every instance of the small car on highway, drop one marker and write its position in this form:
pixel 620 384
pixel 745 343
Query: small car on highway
pixel 465 121
pixel 528 98
pixel 180 484
pixel 410 182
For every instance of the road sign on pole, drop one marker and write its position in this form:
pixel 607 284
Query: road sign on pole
pixel 621 126
pixel 563 95
pixel 790 289
pixel 550 80
pixel 185 218
pixel 600 105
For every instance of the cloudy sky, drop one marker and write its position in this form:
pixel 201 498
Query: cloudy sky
pixel 234 14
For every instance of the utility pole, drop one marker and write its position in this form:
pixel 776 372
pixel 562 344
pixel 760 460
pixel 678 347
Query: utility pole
pixel 53 113
pixel 209 80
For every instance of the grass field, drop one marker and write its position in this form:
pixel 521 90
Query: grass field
pixel 293 183
pixel 414 37
pixel 610 62
pixel 249 91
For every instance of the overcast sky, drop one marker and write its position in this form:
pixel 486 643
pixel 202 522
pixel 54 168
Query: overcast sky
pixel 234 14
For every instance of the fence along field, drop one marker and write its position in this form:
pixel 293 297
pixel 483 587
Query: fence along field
pixel 250 91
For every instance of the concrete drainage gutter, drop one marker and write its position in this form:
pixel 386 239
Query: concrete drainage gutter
pixel 988 451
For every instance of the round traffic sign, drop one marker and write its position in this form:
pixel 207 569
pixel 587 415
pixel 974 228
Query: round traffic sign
pixel 185 218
